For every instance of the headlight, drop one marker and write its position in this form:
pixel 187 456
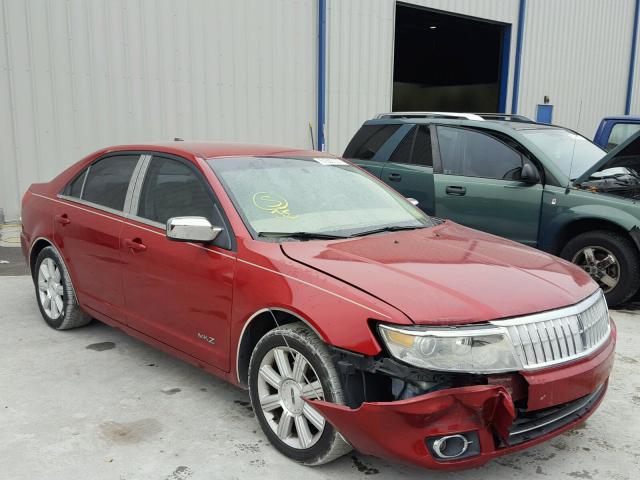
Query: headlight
pixel 468 349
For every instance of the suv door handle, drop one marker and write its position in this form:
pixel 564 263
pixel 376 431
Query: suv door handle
pixel 395 177
pixel 455 190
pixel 134 244
pixel 63 219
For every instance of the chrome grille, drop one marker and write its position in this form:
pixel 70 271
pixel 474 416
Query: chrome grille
pixel 559 336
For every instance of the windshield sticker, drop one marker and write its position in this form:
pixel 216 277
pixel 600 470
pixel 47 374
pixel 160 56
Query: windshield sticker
pixel 274 204
pixel 329 161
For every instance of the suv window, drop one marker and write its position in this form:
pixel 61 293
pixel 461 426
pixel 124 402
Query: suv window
pixel 415 148
pixel 620 132
pixel 368 140
pixel 172 189
pixel 474 154
pixel 107 181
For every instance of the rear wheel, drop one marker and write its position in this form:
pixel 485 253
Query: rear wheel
pixel 612 261
pixel 288 363
pixel 54 292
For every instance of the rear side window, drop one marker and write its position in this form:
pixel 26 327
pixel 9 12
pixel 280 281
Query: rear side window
pixel 104 182
pixel 473 154
pixel 368 140
pixel 415 148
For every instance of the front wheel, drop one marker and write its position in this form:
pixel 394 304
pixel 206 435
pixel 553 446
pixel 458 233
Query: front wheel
pixel 288 363
pixel 611 259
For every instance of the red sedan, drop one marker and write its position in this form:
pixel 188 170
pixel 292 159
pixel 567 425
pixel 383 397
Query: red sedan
pixel 355 320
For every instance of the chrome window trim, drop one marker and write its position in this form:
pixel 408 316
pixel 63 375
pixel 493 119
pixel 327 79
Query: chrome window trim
pixel 119 213
pixel 135 195
pixel 133 183
pixel 146 221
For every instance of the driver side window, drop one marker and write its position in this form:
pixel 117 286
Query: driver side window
pixel 471 153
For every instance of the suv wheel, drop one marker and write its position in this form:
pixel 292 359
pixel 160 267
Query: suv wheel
pixel 612 261
pixel 288 363
pixel 54 292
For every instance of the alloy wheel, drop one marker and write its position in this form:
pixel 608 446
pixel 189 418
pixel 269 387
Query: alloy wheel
pixel 601 264
pixel 285 377
pixel 50 290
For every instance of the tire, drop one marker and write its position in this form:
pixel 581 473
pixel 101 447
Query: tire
pixel 63 313
pixel 602 242
pixel 317 446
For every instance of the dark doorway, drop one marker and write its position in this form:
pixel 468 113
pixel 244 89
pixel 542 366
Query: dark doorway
pixel 446 62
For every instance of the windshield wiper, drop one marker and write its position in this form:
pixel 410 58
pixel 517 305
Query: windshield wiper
pixel 300 235
pixel 393 228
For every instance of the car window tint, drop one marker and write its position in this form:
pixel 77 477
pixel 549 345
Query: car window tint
pixel 422 154
pixel 108 180
pixel 74 188
pixel 620 132
pixel 402 153
pixel 368 140
pixel 474 154
pixel 172 189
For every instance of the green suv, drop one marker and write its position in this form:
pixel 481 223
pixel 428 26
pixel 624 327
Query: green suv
pixel 541 185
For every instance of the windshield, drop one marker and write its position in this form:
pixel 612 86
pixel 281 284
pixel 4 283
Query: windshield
pixel 559 144
pixel 311 195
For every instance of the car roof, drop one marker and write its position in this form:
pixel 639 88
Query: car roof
pixel 217 149
pixel 486 123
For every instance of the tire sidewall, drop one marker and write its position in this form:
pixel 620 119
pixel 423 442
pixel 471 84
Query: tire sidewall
pixel 325 441
pixel 49 252
pixel 626 256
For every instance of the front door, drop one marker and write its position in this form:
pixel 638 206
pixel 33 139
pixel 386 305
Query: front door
pixel 477 184
pixel 178 292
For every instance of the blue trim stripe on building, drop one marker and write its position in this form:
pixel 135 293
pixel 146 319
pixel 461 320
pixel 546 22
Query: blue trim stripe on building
pixel 632 60
pixel 516 69
pixel 504 68
pixel 322 62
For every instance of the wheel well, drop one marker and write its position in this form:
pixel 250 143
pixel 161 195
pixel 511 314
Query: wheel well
pixel 257 328
pixel 581 226
pixel 35 251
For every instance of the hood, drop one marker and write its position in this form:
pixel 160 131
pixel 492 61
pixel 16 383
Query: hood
pixel 448 274
pixel 627 154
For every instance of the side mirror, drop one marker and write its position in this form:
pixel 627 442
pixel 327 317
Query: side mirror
pixel 413 201
pixel 529 174
pixel 191 229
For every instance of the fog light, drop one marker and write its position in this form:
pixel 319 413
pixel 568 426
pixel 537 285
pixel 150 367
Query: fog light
pixel 455 446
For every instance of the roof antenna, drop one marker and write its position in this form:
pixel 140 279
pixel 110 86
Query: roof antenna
pixel 573 152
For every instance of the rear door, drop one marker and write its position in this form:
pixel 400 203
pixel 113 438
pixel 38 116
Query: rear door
pixel 88 221
pixel 477 184
pixel 409 169
pixel 372 144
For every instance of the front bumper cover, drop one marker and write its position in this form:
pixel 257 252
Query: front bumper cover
pixel 399 430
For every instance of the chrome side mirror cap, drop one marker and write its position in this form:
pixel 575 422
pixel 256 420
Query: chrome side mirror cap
pixel 191 229
pixel 413 201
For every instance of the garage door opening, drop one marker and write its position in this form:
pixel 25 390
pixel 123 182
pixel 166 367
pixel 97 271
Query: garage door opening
pixel 446 62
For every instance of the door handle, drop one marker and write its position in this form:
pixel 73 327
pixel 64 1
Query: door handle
pixel 455 190
pixel 63 219
pixel 136 244
pixel 395 177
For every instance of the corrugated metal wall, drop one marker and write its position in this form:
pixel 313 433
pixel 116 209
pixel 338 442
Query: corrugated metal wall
pixel 78 75
pixel 577 51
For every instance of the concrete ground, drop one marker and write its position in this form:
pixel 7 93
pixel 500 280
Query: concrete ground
pixel 95 403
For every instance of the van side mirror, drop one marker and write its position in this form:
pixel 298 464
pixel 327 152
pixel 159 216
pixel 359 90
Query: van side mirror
pixel 191 229
pixel 529 174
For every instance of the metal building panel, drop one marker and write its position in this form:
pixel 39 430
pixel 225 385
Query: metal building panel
pixel 359 66
pixel 79 75
pixel 577 53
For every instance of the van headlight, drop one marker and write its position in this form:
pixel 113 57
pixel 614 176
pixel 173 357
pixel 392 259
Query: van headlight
pixel 474 349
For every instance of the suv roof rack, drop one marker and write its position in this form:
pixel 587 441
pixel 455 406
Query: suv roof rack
pixel 507 117
pixel 450 115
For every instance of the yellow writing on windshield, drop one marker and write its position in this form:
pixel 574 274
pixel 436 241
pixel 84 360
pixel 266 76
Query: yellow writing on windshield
pixel 273 203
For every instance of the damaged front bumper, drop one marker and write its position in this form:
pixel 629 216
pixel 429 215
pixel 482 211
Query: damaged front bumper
pixel 484 416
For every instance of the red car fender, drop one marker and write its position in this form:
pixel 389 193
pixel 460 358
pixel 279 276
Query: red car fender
pixel 396 430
